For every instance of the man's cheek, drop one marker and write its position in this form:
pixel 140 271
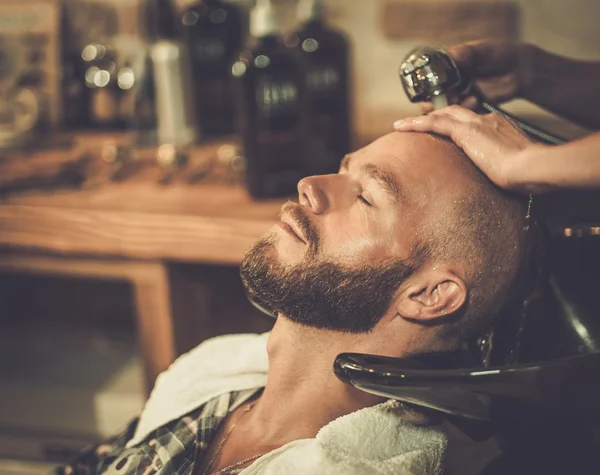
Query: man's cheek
pixel 352 238
pixel 357 249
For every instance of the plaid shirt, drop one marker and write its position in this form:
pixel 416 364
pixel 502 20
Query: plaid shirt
pixel 172 449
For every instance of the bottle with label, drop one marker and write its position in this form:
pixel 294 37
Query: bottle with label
pixel 213 33
pixel 271 87
pixel 326 54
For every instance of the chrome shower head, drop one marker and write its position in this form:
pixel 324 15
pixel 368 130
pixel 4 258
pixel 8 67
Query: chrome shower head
pixel 429 74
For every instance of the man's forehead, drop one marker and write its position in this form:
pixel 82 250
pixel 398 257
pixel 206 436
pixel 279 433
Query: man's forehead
pixel 392 149
pixel 423 165
pixel 416 151
pixel 405 145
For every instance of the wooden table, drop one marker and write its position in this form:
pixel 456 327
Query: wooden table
pixel 139 231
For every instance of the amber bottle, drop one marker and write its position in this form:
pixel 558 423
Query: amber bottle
pixel 213 32
pixel 270 86
pixel 326 55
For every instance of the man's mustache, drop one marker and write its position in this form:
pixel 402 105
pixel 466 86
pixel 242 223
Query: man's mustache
pixel 307 227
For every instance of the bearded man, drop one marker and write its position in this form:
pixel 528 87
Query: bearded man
pixel 408 249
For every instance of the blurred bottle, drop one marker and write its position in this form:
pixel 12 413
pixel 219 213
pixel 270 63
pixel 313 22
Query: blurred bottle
pixel 270 84
pixel 326 54
pixel 75 93
pixel 84 24
pixel 100 76
pixel 115 77
pixel 134 78
pixel 161 23
pixel 213 33
pixel 176 124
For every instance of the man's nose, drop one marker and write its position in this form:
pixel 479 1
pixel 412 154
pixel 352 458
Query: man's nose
pixel 312 193
pixel 322 193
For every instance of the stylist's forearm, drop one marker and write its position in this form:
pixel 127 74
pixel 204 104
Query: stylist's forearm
pixel 564 86
pixel 575 165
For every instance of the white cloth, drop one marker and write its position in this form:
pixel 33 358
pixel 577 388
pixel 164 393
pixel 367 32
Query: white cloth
pixel 372 441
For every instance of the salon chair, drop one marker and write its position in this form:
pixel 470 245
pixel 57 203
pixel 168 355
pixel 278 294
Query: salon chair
pixel 535 386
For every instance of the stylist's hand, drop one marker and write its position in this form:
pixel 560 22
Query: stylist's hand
pixel 494 144
pixel 501 69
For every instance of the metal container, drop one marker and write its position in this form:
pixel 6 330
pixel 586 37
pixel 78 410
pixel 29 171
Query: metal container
pixel 176 123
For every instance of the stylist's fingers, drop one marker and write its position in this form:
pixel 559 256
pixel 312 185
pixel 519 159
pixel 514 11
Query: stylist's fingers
pixel 451 121
pixel 442 124
pixel 492 141
pixel 458 112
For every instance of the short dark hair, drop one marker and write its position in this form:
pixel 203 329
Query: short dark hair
pixel 487 229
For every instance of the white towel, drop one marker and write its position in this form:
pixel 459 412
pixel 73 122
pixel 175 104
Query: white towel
pixel 374 440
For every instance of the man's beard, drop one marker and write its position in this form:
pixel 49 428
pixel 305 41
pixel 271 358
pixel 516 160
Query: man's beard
pixel 323 295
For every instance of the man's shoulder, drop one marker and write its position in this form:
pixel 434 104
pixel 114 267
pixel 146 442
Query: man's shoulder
pixel 217 366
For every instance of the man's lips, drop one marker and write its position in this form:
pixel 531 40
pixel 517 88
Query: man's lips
pixel 289 226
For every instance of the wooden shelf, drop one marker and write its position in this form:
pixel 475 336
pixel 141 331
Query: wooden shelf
pixel 139 219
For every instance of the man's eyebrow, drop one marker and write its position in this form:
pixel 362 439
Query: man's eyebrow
pixel 346 162
pixel 386 180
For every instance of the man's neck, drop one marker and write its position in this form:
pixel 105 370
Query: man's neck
pixel 302 392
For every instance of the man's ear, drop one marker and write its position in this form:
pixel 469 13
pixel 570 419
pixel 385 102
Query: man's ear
pixel 432 294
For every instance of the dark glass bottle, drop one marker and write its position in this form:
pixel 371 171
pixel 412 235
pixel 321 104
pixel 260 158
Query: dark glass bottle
pixel 75 91
pixel 160 20
pixel 326 54
pixel 213 33
pixel 137 96
pixel 75 94
pixel 102 83
pixel 270 86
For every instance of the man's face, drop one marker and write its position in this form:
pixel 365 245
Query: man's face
pixel 336 259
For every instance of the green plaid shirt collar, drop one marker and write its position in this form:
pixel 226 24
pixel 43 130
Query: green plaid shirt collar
pixel 173 449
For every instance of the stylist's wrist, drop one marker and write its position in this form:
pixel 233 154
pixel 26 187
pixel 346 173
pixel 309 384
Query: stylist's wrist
pixel 524 172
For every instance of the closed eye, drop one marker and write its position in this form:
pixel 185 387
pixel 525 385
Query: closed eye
pixel 364 201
